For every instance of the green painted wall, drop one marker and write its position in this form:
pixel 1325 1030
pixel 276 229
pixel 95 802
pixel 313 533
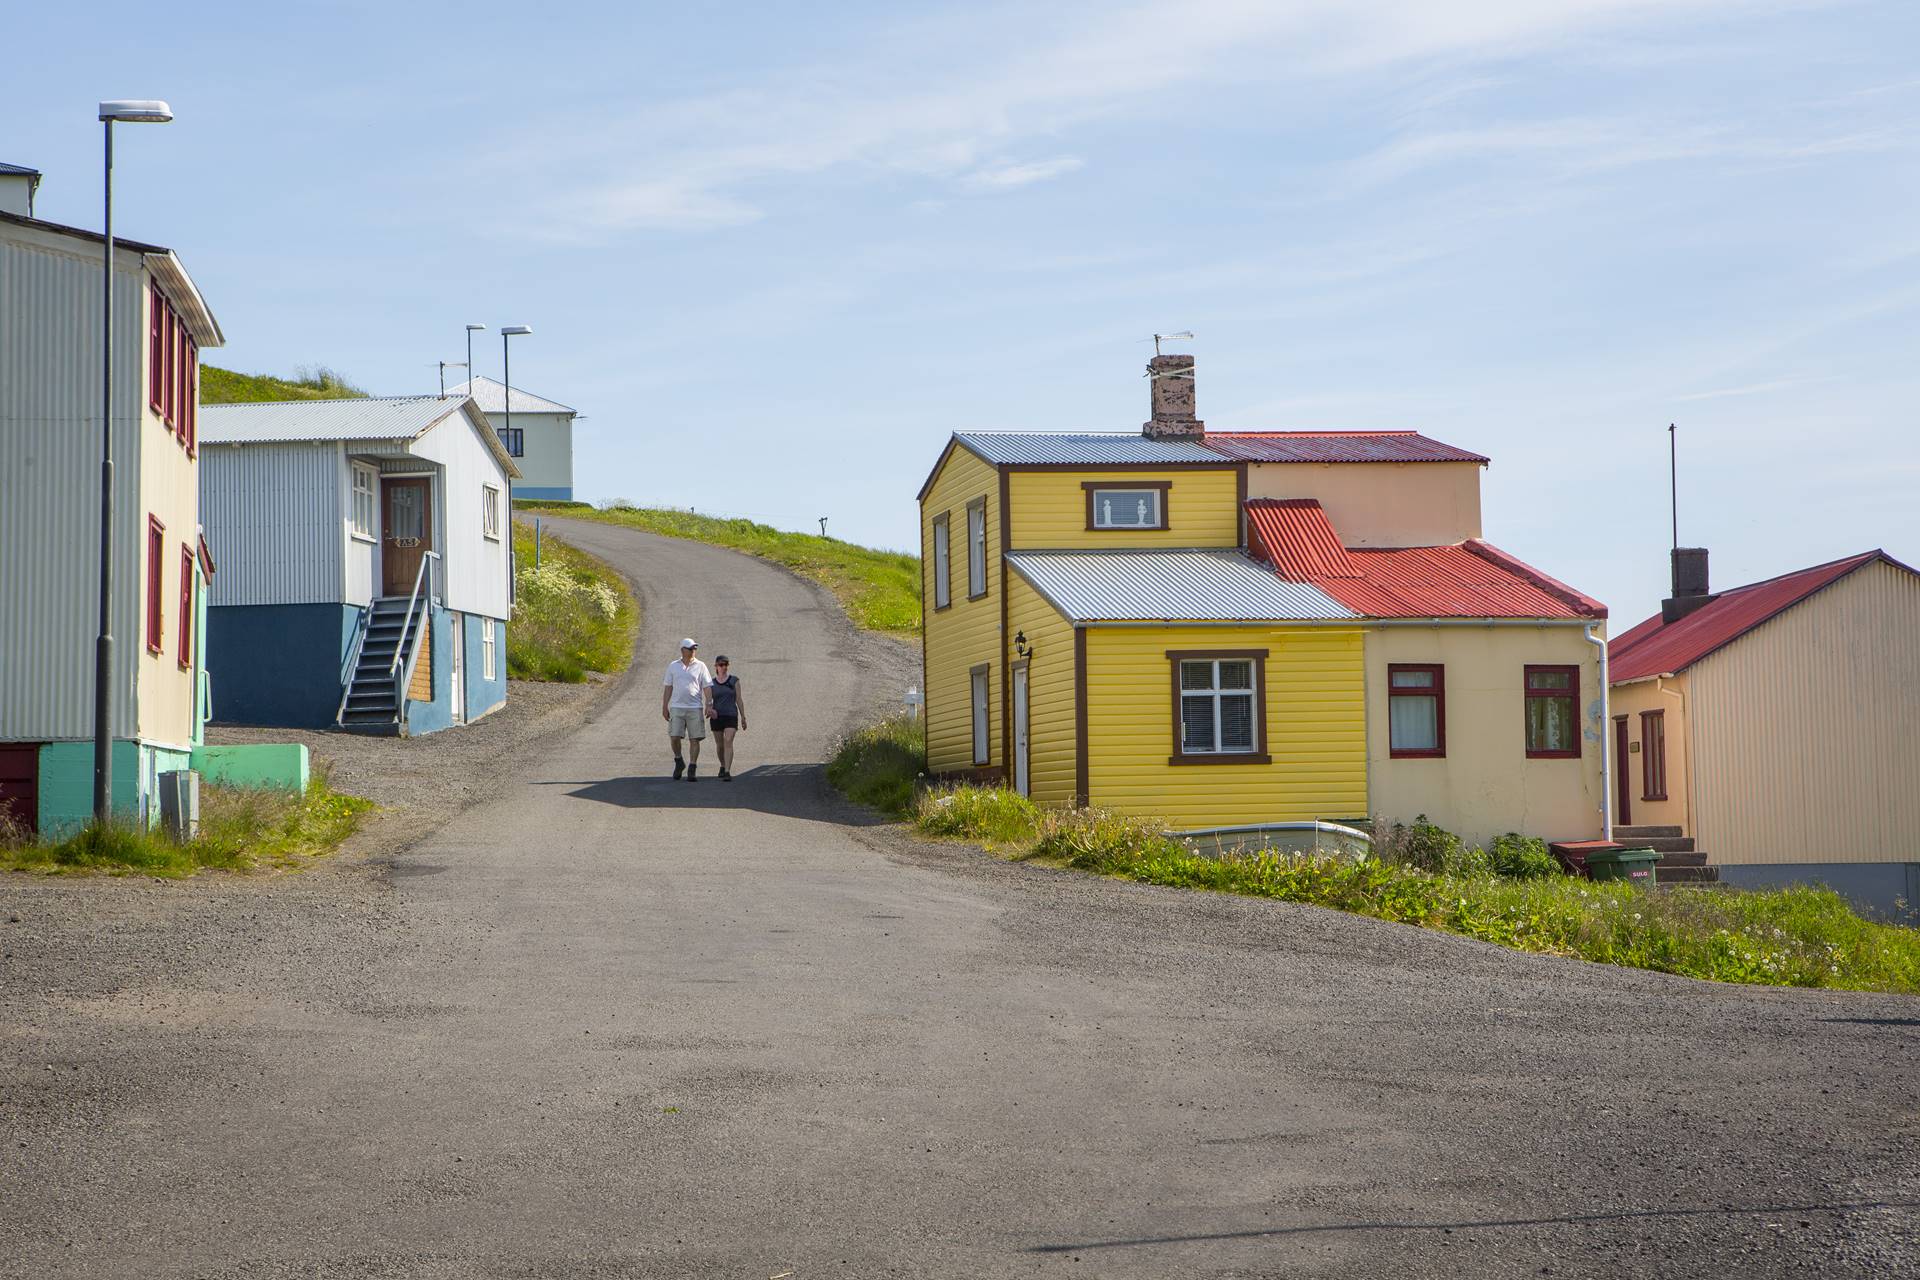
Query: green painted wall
pixel 280 766
pixel 66 783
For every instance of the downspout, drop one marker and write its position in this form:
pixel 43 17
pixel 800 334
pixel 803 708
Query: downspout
pixel 1606 743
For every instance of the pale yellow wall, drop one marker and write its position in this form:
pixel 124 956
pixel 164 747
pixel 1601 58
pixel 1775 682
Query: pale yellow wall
pixel 1486 785
pixel 1670 696
pixel 967 632
pixel 1050 509
pixel 1804 748
pixel 1051 750
pixel 1382 504
pixel 170 490
pixel 1315 728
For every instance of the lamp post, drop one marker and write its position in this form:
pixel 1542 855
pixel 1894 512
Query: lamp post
pixel 117 111
pixel 506 371
pixel 471 330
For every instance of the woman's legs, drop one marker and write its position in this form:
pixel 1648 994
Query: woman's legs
pixel 724 745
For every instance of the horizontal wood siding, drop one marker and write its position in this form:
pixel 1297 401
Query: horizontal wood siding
pixel 966 633
pixel 1050 689
pixel 1315 718
pixel 1050 509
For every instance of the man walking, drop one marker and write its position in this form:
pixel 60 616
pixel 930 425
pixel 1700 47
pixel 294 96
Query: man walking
pixel 685 699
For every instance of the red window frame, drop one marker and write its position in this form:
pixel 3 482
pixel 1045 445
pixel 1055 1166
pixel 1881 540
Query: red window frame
pixel 167 380
pixel 190 386
pixel 186 606
pixel 156 354
pixel 156 606
pixel 1571 693
pixel 1653 755
pixel 1438 692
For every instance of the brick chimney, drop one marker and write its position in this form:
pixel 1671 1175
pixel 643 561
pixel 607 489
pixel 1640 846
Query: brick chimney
pixel 1689 584
pixel 1173 410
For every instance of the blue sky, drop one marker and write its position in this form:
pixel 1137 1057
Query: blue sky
pixel 777 254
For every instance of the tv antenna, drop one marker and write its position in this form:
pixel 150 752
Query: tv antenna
pixel 1673 478
pixel 1158 338
pixel 444 366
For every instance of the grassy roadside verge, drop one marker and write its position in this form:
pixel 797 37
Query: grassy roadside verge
pixel 880 590
pixel 1511 895
pixel 241 829
pixel 573 613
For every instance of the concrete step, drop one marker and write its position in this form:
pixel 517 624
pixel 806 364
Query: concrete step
pixel 1624 834
pixel 1709 876
pixel 1682 858
pixel 1662 844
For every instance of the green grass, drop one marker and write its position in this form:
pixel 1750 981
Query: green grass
pixel 1790 937
pixel 224 386
pixel 880 764
pixel 572 613
pixel 241 829
pixel 880 590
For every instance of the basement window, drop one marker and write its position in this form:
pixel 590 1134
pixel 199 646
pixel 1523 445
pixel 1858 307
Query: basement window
pixel 1553 713
pixel 1218 711
pixel 1135 506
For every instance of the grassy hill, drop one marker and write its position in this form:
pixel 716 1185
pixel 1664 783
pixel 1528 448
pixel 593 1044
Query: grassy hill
pixel 224 386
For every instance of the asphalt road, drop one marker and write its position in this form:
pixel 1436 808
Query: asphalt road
pixel 605 1024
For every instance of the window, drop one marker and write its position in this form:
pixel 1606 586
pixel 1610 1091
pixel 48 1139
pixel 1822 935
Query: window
pixel 942 564
pixel 190 398
pixel 490 511
pixel 363 503
pixel 515 441
pixel 1553 712
pixel 1653 755
pixel 166 372
pixel 1218 714
pixel 182 382
pixel 156 589
pixel 1136 506
pixel 186 607
pixel 488 660
pixel 976 548
pixel 981 753
pixel 156 351
pixel 1416 710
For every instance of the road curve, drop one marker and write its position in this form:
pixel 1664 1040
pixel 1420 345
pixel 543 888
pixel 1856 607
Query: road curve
pixel 607 1024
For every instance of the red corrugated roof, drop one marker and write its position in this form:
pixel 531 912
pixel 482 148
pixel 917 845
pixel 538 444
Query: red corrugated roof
pixel 1334 446
pixel 1658 648
pixel 1473 579
pixel 1295 536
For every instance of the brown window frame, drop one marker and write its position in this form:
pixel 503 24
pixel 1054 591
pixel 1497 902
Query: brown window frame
pixel 1165 501
pixel 1653 755
pixel 980 717
pixel 943 561
pixel 978 504
pixel 1259 754
pixel 156 587
pixel 156 355
pixel 186 607
pixel 1439 695
pixel 1529 693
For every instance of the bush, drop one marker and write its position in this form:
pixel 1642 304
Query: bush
pixel 991 815
pixel 1521 857
pixel 572 614
pixel 880 764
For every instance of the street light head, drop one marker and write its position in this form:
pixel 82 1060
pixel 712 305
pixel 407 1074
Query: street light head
pixel 136 111
pixel 476 328
pixel 514 330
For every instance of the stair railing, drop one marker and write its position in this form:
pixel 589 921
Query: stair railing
pixel 360 629
pixel 411 650
pixel 426 559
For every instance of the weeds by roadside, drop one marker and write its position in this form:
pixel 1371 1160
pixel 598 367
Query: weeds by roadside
pixel 572 613
pixel 880 764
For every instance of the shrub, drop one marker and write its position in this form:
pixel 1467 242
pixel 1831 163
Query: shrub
pixel 1521 857
pixel 880 764
pixel 572 614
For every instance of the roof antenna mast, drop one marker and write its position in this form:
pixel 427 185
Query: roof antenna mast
pixel 1673 479
pixel 1158 338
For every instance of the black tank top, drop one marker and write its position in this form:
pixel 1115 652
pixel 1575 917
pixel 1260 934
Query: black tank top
pixel 726 696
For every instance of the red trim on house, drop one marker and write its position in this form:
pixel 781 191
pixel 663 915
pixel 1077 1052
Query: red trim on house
pixel 156 591
pixel 1653 755
pixel 1437 691
pixel 1572 695
pixel 156 353
pixel 206 556
pixel 186 606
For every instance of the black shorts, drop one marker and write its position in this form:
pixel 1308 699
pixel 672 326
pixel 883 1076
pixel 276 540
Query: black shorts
pixel 724 722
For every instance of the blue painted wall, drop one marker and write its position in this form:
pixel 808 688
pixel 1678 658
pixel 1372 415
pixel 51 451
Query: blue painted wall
pixel 536 493
pixel 431 717
pixel 278 664
pixel 485 695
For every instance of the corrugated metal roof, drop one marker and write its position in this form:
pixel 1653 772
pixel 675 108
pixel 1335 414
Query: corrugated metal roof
pixel 491 397
pixel 365 418
pixel 1174 585
pixel 1335 446
pixel 18 168
pixel 1084 449
pixel 1296 536
pixel 1657 648
pixel 1469 580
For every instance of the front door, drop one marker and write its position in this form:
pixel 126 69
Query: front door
pixel 1020 729
pixel 406 535
pixel 1623 814
pixel 20 786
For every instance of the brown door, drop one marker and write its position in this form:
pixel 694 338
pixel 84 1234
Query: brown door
pixel 20 786
pixel 1623 808
pixel 406 532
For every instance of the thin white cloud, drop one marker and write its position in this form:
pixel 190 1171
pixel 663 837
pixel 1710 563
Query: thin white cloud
pixel 1022 175
pixel 1755 389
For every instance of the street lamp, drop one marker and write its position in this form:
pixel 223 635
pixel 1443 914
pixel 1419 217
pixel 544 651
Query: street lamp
pixel 506 370
pixel 471 330
pixel 117 111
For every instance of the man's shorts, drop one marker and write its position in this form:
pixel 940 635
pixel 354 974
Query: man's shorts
pixel 687 722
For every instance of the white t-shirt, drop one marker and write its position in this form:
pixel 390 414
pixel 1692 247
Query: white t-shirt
pixel 687 682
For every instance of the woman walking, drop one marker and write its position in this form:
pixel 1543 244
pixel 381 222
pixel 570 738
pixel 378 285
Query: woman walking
pixel 729 713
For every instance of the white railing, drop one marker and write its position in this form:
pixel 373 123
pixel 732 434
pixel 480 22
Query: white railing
pixel 353 662
pixel 426 560
pixel 412 650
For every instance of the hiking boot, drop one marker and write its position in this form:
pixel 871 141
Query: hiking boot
pixel 693 773
pixel 679 767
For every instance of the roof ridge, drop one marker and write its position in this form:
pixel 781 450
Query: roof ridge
pixel 1794 573
pixel 1577 600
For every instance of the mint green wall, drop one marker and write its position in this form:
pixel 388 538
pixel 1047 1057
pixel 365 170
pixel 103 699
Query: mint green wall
pixel 281 766
pixel 66 783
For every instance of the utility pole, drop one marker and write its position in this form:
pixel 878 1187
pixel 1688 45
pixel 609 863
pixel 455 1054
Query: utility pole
pixel 823 526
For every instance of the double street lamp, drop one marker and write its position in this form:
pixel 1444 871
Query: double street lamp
pixel 117 111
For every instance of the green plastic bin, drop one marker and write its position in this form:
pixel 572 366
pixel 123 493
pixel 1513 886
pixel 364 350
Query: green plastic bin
pixel 1636 866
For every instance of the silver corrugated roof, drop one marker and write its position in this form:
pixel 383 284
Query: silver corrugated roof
pixel 491 396
pixel 1087 448
pixel 1177 585
pixel 366 418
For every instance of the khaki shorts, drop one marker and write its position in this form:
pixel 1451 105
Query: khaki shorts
pixel 687 722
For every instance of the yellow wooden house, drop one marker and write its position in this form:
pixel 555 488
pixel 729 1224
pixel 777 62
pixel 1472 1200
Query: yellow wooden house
pixel 1231 628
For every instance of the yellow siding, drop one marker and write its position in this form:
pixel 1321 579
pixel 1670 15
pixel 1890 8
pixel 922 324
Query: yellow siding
pixel 1669 696
pixel 170 493
pixel 1316 728
pixel 1051 751
pixel 968 632
pixel 1050 509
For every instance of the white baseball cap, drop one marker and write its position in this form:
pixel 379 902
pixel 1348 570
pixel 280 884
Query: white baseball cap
pixel 689 643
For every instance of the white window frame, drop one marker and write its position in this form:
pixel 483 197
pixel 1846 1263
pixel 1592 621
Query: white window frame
pixel 980 695
pixel 490 511
pixel 1101 497
pixel 364 501
pixel 489 661
pixel 1255 662
pixel 942 560
pixel 976 549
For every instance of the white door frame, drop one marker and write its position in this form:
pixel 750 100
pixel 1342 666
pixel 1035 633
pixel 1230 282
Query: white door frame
pixel 1022 740
pixel 457 665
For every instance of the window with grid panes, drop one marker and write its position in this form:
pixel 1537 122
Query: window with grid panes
pixel 1218 706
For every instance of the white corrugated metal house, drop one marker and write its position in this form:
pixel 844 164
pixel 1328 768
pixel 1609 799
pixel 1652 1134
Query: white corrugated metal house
pixel 366 562
pixel 50 371
pixel 538 436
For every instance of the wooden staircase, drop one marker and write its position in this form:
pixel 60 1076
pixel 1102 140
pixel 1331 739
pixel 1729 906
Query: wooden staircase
pixel 1680 863
pixel 372 703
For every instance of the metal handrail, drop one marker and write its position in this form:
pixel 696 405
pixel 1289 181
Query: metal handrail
pixel 405 682
pixel 426 559
pixel 360 629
